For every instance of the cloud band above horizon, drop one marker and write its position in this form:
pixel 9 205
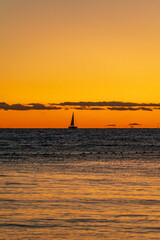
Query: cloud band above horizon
pixel 95 106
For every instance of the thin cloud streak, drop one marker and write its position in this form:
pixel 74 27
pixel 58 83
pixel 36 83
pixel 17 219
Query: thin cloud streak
pixel 135 124
pixel 111 125
pixel 88 108
pixel 129 109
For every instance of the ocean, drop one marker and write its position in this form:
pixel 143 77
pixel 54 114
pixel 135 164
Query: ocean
pixel 83 184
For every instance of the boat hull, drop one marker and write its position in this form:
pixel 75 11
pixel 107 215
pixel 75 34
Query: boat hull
pixel 72 127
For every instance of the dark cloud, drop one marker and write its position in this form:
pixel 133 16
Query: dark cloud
pixel 108 104
pixel 19 107
pixel 78 108
pixel 146 109
pixel 4 106
pixel 129 109
pixel 111 125
pixel 31 106
pixel 39 106
pixel 134 124
pixel 96 108
pixel 123 109
pixel 87 108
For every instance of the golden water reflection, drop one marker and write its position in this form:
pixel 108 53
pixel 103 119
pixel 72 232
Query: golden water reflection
pixel 75 205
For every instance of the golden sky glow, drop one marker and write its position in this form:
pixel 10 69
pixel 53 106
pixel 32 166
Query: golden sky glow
pixel 90 50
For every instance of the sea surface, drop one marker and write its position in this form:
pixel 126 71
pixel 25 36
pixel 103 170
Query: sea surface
pixel 83 184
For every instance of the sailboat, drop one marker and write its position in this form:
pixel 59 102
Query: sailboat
pixel 72 123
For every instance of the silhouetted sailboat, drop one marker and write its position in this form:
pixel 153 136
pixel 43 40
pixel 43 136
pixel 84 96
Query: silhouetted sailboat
pixel 72 122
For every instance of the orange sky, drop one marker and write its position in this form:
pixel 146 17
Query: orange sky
pixel 90 50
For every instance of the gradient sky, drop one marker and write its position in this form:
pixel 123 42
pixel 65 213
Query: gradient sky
pixel 53 51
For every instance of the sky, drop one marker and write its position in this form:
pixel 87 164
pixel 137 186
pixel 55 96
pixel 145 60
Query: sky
pixel 60 56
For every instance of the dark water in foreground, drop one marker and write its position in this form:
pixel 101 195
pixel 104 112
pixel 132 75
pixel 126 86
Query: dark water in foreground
pixel 82 184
